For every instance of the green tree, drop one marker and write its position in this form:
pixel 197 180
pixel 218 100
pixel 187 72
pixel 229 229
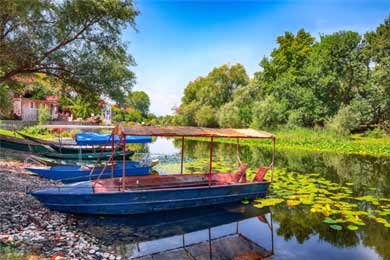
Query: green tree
pixel 76 41
pixel 140 101
pixel 378 91
pixel 206 117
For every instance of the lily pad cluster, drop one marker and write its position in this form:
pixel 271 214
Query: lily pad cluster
pixel 337 203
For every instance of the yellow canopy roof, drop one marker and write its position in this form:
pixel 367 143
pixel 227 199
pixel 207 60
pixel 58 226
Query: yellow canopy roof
pixel 188 131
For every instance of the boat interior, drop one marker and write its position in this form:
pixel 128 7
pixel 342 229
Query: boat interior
pixel 173 181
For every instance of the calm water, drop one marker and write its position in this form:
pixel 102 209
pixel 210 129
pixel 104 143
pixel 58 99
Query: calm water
pixel 297 234
pixel 233 230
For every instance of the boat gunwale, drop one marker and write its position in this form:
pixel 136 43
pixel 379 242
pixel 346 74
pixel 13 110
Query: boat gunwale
pixel 63 189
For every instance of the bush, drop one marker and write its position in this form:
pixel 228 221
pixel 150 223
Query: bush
pixel 43 115
pixel 205 117
pixel 268 113
pixel 295 119
pixel 375 133
pixel 228 116
pixel 344 121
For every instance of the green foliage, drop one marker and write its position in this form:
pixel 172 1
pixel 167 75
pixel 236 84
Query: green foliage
pixel 375 133
pixel 205 117
pixel 5 101
pixel 43 115
pixel 344 121
pixel 140 101
pixel 320 140
pixel 85 106
pixel 212 92
pixel 342 79
pixel 269 113
pixel 78 42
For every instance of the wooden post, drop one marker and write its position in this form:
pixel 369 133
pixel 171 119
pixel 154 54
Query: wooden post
pixel 112 154
pixel 238 152
pixel 124 163
pixel 211 159
pixel 273 157
pixel 182 155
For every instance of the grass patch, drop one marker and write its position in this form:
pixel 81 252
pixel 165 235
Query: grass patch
pixel 320 141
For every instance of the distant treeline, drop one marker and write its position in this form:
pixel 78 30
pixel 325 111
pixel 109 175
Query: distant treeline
pixel 341 81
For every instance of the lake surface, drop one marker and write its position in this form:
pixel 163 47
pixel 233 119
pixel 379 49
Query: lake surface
pixel 237 230
pixel 297 233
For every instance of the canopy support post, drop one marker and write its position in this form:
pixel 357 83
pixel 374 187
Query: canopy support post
pixel 211 159
pixel 124 163
pixel 273 157
pixel 112 155
pixel 182 155
pixel 238 152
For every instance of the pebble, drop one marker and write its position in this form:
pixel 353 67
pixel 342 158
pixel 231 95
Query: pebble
pixel 33 228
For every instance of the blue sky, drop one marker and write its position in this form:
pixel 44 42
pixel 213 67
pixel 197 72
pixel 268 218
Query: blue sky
pixel 177 41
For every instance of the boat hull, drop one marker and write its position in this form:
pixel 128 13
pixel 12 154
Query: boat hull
pixel 22 145
pixel 70 174
pixel 80 198
pixel 88 156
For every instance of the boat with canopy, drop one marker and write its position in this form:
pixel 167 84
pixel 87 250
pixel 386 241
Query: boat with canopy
pixel 144 194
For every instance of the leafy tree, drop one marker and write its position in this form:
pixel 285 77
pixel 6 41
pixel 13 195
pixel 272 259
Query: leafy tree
pixel 378 91
pixel 269 113
pixel 43 115
pixel 85 106
pixel 206 117
pixel 339 65
pixel 76 41
pixel 140 101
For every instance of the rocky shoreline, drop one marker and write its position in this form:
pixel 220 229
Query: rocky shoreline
pixel 34 231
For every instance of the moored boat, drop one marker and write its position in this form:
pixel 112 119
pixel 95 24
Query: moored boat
pixel 22 145
pixel 144 194
pixel 118 155
pixel 69 173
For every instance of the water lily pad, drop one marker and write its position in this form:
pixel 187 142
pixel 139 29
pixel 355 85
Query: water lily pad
pixel 352 227
pixel 330 220
pixel 292 203
pixel 336 227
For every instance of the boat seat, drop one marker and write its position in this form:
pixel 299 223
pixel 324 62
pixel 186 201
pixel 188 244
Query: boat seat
pixel 240 175
pixel 173 185
pixel 259 177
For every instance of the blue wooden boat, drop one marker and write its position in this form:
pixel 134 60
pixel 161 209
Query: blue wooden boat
pixel 102 139
pixel 145 194
pixel 75 173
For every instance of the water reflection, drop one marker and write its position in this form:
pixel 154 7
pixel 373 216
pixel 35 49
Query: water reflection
pixel 296 227
pixel 232 231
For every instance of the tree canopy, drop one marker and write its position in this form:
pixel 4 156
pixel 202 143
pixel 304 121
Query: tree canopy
pixel 341 80
pixel 75 41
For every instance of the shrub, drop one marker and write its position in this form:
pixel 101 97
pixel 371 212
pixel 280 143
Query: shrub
pixel 228 116
pixel 205 117
pixel 344 121
pixel 268 113
pixel 43 115
pixel 375 133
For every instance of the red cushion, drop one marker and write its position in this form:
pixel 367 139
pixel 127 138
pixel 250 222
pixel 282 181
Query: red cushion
pixel 260 174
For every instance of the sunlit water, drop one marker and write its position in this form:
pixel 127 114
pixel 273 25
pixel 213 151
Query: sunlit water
pixel 282 231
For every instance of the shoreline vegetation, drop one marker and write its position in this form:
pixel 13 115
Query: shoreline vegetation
pixel 302 139
pixel 317 140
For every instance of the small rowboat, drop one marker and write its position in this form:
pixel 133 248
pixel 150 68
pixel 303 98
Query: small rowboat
pixel 70 174
pixel 86 142
pixel 53 162
pixel 118 155
pixel 22 145
pixel 145 194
